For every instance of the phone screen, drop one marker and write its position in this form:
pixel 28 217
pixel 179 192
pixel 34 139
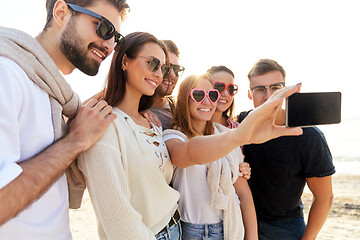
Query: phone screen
pixel 310 109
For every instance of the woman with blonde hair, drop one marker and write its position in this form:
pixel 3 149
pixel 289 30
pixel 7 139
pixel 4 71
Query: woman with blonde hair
pixel 208 205
pixel 207 157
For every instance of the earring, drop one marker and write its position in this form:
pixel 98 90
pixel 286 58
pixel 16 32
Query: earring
pixel 123 63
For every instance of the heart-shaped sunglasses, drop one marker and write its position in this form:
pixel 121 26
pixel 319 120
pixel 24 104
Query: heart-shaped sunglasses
pixel 221 87
pixel 198 95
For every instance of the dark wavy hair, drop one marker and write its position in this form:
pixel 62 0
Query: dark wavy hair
pixel 115 86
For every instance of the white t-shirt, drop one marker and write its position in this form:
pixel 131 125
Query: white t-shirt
pixel 194 203
pixel 25 130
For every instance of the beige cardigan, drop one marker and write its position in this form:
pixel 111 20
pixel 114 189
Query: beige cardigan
pixel 128 185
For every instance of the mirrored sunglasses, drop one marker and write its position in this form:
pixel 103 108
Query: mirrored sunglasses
pixel 221 87
pixel 198 95
pixel 105 29
pixel 178 70
pixel 155 64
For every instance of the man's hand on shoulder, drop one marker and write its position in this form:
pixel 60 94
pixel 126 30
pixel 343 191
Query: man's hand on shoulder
pixel 91 122
pixel 151 117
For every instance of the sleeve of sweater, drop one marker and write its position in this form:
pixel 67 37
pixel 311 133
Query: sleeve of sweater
pixel 106 179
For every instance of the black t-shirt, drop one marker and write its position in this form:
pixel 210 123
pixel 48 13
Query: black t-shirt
pixel 279 169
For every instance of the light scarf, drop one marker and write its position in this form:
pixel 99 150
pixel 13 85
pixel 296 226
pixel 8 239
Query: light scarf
pixel 221 175
pixel 41 69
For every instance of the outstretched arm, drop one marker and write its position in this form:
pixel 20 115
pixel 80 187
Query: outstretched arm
pixel 321 205
pixel 258 127
pixel 41 171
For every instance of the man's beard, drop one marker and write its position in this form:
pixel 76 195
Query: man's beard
pixel 72 46
pixel 163 91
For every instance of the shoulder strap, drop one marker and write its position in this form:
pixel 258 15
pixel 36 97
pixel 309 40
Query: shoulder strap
pixel 171 101
pixel 173 131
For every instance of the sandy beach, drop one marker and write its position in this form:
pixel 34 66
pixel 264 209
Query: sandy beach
pixel 343 222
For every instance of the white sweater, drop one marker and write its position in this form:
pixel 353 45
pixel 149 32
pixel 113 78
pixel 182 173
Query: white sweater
pixel 128 180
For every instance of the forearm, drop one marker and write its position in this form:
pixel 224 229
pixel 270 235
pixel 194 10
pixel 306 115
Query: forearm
pixel 248 211
pixel 202 149
pixel 249 219
pixel 318 213
pixel 39 173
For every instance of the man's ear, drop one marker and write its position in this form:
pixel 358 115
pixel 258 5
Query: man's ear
pixel 61 13
pixel 249 95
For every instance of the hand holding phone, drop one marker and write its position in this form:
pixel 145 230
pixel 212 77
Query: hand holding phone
pixel 310 109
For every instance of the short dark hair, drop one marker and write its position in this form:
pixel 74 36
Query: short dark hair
pixel 172 47
pixel 264 66
pixel 121 5
pixel 115 88
pixel 221 68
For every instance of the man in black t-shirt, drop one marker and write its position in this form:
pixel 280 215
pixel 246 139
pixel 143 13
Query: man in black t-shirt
pixel 281 167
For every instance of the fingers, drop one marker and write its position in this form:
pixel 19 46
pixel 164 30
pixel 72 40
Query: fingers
pixel 286 92
pixel 92 120
pixel 157 121
pixel 246 175
pixel 151 117
pixel 245 169
pixel 90 102
pixel 110 117
pixel 100 105
pixel 146 115
pixel 274 103
pixel 96 97
pixel 287 131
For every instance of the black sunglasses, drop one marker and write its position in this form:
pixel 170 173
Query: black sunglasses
pixel 154 65
pixel 178 70
pixel 105 29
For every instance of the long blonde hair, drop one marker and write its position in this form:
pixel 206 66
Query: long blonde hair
pixel 182 118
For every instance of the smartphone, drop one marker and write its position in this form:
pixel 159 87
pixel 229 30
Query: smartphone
pixel 310 109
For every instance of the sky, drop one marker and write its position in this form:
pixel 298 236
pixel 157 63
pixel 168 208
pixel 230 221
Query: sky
pixel 317 42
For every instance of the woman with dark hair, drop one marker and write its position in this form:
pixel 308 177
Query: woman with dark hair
pixel 222 79
pixel 128 170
